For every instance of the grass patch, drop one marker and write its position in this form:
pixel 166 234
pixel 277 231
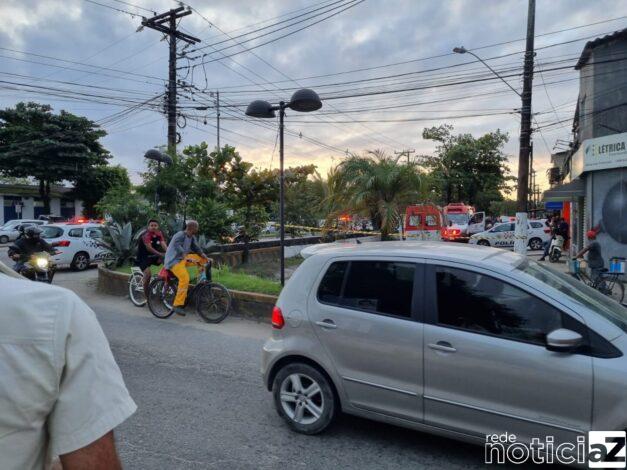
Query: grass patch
pixel 231 279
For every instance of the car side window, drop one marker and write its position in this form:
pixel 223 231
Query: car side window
pixel 536 225
pixel 330 288
pixel 483 304
pixel 75 233
pixel 94 233
pixel 502 228
pixel 380 287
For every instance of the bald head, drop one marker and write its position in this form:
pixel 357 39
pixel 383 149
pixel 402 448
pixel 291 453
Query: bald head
pixel 191 227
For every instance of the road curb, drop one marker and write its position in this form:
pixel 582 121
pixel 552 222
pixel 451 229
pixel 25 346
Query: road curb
pixel 249 305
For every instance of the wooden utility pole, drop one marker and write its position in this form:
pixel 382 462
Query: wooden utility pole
pixel 525 114
pixel 406 152
pixel 158 23
pixel 218 117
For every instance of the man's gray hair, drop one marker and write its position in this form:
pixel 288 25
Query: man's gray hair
pixel 191 223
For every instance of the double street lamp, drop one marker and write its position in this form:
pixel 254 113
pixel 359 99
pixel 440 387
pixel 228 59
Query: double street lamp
pixel 304 101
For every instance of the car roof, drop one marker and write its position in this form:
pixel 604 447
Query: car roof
pixel 85 225
pixel 441 251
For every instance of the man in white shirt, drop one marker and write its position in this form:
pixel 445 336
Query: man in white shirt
pixel 61 392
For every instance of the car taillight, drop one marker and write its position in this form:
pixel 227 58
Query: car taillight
pixel 277 318
pixel 62 243
pixel 547 230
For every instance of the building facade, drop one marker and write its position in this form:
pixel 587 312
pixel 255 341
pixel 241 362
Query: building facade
pixel 22 201
pixel 590 179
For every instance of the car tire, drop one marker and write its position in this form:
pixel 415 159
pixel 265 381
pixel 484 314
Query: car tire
pixel 535 244
pixel 483 243
pixel 80 262
pixel 4 239
pixel 316 409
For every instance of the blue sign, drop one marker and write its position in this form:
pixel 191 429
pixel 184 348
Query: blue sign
pixel 554 205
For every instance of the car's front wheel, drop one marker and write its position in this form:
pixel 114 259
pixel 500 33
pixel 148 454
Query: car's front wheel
pixel 304 398
pixel 4 239
pixel 483 243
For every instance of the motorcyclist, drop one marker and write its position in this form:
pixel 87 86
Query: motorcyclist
pixel 26 246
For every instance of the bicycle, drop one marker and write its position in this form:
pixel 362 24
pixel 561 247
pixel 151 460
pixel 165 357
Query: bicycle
pixel 606 282
pixel 136 287
pixel 212 299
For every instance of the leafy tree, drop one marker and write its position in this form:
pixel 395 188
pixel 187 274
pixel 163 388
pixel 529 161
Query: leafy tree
pixel 380 186
pixel 503 207
pixel 467 169
pixel 94 184
pixel 125 205
pixel 48 147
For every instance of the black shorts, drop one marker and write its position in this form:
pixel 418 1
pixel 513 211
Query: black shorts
pixel 150 260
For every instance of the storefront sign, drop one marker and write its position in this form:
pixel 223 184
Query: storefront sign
pixel 600 154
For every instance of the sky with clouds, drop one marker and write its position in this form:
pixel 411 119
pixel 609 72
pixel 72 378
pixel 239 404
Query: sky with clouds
pixel 394 54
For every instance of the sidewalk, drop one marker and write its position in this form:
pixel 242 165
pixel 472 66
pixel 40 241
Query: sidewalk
pixel 561 265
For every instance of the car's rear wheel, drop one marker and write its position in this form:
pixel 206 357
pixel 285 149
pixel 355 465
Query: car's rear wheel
pixel 535 244
pixel 80 262
pixel 4 239
pixel 304 398
pixel 483 243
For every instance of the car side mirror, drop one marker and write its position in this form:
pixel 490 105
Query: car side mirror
pixel 563 340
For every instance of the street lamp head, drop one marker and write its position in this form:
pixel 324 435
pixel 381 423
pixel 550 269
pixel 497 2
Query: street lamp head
pixel 460 50
pixel 305 100
pixel 156 155
pixel 260 109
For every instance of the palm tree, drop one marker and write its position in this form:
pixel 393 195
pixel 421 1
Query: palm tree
pixel 380 187
pixel 331 194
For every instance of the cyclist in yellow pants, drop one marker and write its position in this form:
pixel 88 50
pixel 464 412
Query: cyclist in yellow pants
pixel 183 251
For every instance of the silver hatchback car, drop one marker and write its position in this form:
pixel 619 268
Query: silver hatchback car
pixel 456 340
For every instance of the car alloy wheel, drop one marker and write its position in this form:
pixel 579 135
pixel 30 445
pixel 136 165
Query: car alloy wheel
pixel 4 239
pixel 304 398
pixel 483 243
pixel 535 244
pixel 81 262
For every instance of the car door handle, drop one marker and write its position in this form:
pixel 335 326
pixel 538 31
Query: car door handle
pixel 328 324
pixel 442 346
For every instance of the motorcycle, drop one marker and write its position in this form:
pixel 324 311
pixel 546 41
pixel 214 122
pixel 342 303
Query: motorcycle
pixel 556 248
pixel 39 268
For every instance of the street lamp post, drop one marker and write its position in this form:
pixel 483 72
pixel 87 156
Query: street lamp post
pixel 159 157
pixel 520 233
pixel 304 100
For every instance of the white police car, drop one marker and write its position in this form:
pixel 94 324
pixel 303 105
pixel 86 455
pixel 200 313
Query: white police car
pixel 502 235
pixel 77 245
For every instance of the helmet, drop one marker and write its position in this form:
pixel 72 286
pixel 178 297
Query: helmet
pixel 32 231
pixel 591 234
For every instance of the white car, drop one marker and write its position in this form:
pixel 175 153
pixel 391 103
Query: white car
pixel 502 235
pixel 78 245
pixel 11 230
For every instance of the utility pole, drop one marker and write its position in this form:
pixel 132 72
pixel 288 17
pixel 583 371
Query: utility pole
pixel 218 117
pixel 406 152
pixel 158 23
pixel 525 113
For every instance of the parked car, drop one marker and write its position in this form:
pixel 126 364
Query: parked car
pixel 502 235
pixel 11 230
pixel 52 219
pixel 446 339
pixel 78 245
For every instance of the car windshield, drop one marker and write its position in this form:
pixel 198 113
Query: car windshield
pixel 459 219
pixel 579 292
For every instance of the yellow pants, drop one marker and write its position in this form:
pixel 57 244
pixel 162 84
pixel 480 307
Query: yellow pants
pixel 181 273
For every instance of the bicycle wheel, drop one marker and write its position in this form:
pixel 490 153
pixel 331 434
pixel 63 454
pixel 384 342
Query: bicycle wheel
pixel 213 302
pixel 136 289
pixel 160 298
pixel 616 291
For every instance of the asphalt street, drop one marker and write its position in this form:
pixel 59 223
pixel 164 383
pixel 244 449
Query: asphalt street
pixel 202 405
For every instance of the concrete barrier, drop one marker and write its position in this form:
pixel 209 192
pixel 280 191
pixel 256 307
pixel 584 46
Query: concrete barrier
pixel 250 305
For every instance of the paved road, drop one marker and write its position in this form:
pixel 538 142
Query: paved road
pixel 201 403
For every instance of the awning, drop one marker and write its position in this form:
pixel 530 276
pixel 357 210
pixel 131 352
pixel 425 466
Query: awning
pixel 566 192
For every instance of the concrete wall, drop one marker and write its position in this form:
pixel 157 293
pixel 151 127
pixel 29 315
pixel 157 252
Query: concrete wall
pixel 603 91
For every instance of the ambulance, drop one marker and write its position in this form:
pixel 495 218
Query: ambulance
pixel 423 222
